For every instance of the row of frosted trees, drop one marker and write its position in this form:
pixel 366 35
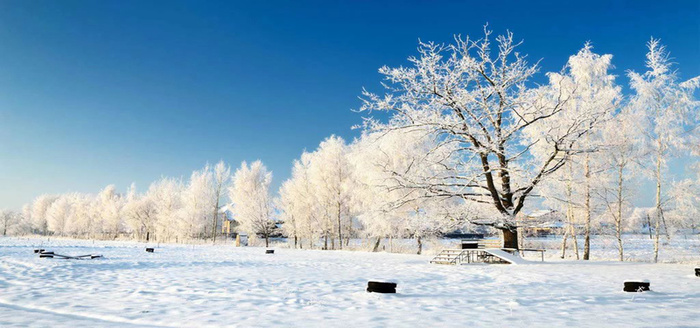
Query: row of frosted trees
pixel 470 140
pixel 466 138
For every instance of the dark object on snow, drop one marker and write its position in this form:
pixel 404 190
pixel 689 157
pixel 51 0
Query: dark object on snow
pixel 697 272
pixel 470 244
pixel 381 287
pixel 39 250
pixel 636 286
pixel 270 251
pixel 52 255
pixel 149 249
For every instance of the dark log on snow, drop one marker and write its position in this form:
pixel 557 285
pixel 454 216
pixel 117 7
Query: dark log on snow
pixel 49 253
pixel 150 250
pixel 636 285
pixel 381 287
pixel 39 250
pixel 46 256
pixel 270 251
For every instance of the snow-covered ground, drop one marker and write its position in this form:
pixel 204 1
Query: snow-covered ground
pixel 199 286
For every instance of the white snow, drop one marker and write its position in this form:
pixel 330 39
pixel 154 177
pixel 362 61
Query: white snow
pixel 512 259
pixel 214 286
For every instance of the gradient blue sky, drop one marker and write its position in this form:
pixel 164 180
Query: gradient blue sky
pixel 109 92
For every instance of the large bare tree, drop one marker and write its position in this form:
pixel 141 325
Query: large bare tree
pixel 488 118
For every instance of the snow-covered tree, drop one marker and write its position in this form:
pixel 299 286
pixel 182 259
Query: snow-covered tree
pixel 671 115
pixel 250 196
pixel 384 208
pixel 165 194
pixel 622 139
pixel 482 107
pixel 39 207
pixel 196 204
pixel 331 176
pixel 140 213
pixel 108 206
pixel 593 94
pixel 222 178
pixel 8 220
pixel 57 215
pixel 298 205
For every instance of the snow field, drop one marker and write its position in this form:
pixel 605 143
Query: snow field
pixel 214 286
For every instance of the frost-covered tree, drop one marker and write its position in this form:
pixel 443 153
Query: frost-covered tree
pixel 222 178
pixel 481 105
pixel 39 207
pixel 298 205
pixel 593 94
pixel 685 203
pixel 671 115
pixel 166 196
pixel 384 207
pixel 8 220
pixel 108 207
pixel 196 204
pixel 58 214
pixel 251 200
pixel 331 175
pixel 622 139
pixel 140 213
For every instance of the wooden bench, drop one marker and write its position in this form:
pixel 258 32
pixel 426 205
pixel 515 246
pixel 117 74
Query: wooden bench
pixel 480 243
pixel 522 250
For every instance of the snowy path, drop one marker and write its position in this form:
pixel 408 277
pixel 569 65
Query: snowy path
pixel 213 286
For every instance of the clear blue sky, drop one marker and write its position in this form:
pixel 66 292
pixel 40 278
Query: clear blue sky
pixel 109 92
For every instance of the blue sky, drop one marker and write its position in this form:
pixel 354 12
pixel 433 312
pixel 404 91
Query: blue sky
pixel 113 92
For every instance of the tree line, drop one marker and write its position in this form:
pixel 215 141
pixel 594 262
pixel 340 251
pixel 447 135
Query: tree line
pixel 466 137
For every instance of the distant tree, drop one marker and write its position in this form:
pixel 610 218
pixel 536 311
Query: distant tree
pixel 166 197
pixel 39 207
pixel 671 115
pixel 298 204
pixel 57 215
pixel 108 206
pixel 331 175
pixel 222 178
pixel 250 196
pixel 196 204
pixel 8 220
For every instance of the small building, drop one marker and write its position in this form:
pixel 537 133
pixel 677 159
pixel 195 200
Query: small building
pixel 543 223
pixel 228 223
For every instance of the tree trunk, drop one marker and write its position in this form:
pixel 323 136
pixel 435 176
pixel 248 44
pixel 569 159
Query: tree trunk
pixel 420 245
pixel 563 242
pixel 216 221
pixel 267 240
pixel 376 245
pixel 618 220
pixel 340 233
pixel 587 237
pixel 658 208
pixel 510 238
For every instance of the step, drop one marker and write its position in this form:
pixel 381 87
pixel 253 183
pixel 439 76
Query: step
pixel 441 262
